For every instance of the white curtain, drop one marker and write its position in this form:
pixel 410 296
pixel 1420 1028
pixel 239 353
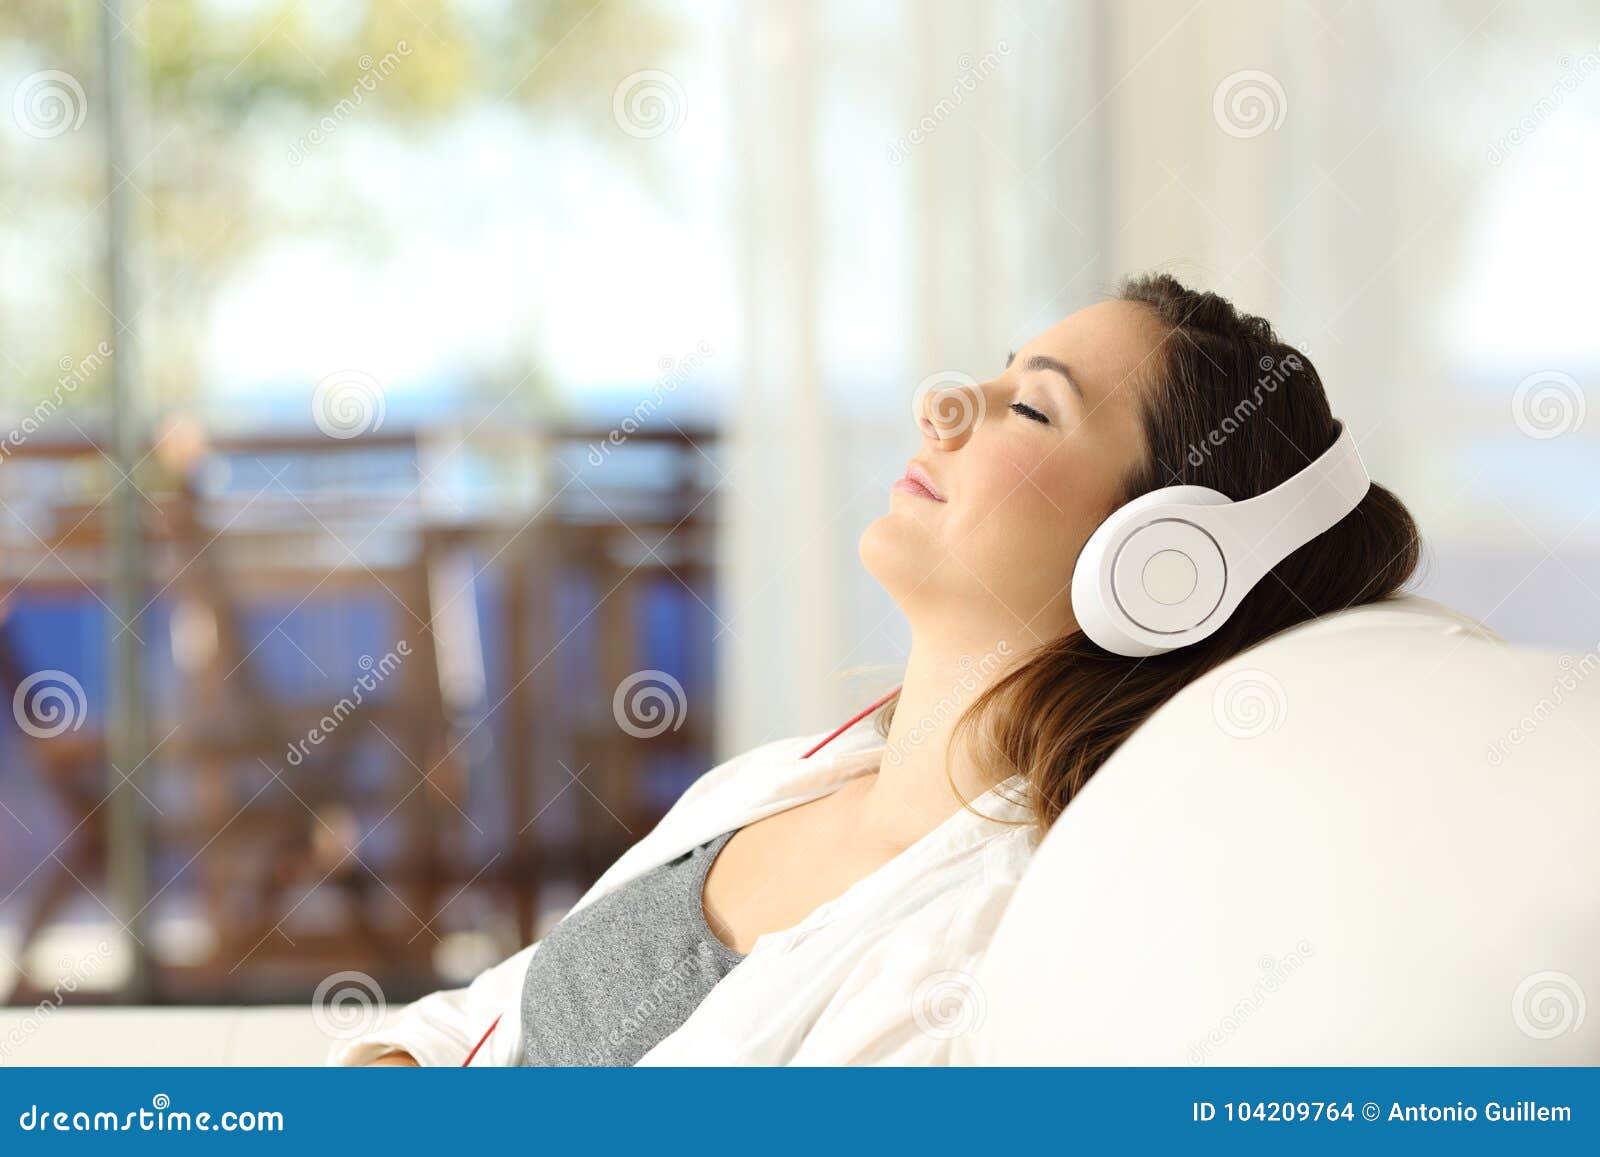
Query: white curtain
pixel 1407 192
pixel 923 186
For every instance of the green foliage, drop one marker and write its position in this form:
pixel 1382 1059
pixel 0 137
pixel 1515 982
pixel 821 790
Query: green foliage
pixel 214 87
pixel 545 55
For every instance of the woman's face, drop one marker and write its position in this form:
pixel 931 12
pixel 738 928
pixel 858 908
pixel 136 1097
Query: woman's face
pixel 1025 467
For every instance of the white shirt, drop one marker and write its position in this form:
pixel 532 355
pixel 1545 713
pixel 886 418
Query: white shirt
pixel 881 974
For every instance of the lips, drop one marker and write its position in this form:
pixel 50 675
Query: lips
pixel 917 481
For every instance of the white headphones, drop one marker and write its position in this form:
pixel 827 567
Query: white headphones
pixel 1168 568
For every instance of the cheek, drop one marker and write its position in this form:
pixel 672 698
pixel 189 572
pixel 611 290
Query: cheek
pixel 1024 531
pixel 1020 530
pixel 1030 497
pixel 990 482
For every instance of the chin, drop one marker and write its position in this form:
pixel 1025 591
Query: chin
pixel 896 552
pixel 870 547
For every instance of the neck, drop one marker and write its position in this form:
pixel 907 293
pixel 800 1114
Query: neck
pixel 911 793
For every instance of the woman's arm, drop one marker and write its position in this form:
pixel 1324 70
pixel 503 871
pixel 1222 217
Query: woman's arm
pixel 441 1028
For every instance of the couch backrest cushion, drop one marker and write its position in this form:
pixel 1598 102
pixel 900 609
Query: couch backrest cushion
pixel 1370 840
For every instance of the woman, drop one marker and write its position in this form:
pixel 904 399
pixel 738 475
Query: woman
pixel 832 909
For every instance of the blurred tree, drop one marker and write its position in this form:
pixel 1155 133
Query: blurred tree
pixel 217 85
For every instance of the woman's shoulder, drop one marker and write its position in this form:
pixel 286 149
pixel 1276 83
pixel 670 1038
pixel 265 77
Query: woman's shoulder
pixel 1005 856
pixel 971 910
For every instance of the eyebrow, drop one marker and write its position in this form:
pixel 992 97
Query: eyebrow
pixel 1044 362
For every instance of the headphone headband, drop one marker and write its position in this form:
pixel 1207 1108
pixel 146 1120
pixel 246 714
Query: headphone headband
pixel 1168 568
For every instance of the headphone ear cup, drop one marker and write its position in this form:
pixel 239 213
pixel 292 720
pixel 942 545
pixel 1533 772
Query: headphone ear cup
pixel 1169 575
pixel 1151 573
pixel 1168 568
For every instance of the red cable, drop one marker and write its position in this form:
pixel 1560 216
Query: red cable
pixel 481 1041
pixel 832 735
pixel 851 722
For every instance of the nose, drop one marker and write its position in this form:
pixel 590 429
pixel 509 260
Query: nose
pixel 948 408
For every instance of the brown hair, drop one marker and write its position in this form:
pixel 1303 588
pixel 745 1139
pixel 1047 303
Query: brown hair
pixel 1230 406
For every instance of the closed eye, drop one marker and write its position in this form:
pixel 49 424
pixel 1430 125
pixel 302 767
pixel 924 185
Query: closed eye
pixel 1029 412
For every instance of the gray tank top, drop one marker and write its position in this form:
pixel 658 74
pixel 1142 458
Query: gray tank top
pixel 616 977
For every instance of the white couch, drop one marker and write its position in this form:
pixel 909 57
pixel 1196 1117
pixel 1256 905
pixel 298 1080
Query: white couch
pixel 270 1035
pixel 1308 856
pixel 1371 840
